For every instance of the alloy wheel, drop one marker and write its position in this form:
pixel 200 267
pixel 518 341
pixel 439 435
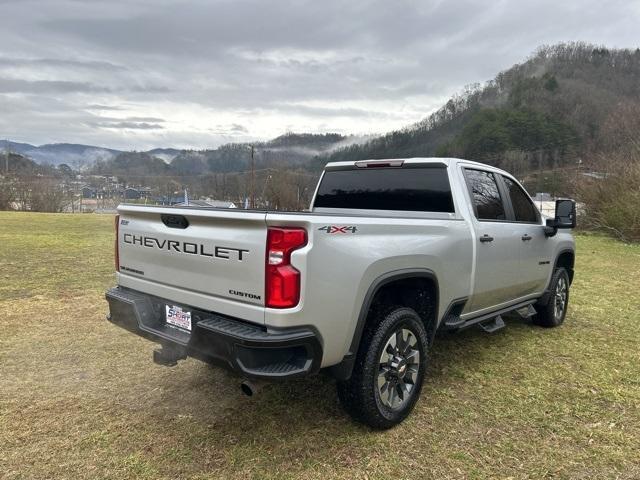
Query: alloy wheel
pixel 560 298
pixel 398 369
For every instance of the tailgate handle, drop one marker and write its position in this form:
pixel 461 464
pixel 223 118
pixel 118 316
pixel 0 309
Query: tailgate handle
pixel 174 221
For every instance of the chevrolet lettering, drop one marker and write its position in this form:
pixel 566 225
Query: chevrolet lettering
pixel 226 253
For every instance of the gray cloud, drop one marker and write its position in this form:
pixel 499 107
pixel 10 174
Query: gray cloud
pixel 142 73
pixel 236 128
pixel 145 119
pixel 57 62
pixel 13 85
pixel 128 125
pixel 228 131
pixel 103 107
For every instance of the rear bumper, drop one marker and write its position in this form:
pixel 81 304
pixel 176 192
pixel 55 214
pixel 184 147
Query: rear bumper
pixel 250 350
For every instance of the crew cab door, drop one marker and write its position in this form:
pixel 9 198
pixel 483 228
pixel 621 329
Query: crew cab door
pixel 535 262
pixel 498 243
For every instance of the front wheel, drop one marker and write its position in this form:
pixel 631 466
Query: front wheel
pixel 389 370
pixel 552 313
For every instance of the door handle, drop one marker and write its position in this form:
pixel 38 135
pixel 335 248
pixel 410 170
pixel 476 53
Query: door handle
pixel 526 237
pixel 486 238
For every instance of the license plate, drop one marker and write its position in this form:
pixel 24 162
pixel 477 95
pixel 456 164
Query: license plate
pixel 177 317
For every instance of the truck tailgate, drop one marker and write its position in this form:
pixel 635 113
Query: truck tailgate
pixel 215 252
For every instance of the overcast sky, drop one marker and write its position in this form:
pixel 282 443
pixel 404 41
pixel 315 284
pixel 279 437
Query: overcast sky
pixel 149 73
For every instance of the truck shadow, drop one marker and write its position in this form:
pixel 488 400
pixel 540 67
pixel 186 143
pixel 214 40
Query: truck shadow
pixel 295 409
pixel 452 351
pixel 223 423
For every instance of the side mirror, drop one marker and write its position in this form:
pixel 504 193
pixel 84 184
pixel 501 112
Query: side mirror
pixel 565 215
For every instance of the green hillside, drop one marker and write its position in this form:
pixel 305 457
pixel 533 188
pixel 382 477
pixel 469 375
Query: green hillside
pixel 545 112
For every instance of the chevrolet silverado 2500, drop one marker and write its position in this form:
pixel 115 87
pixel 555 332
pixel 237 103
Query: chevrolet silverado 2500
pixel 390 252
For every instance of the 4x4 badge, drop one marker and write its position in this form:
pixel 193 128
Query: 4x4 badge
pixel 339 228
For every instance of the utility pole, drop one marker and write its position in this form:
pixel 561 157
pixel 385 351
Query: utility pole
pixel 252 204
pixel 6 157
pixel 540 170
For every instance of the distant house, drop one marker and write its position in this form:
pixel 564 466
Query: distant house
pixel 88 192
pixel 136 193
pixel 208 203
pixel 145 192
pixel 110 191
pixel 131 194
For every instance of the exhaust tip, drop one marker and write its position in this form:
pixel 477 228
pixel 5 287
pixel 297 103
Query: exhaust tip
pixel 247 388
pixel 251 387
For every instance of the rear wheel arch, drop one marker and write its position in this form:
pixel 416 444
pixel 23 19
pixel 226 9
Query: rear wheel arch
pixel 414 288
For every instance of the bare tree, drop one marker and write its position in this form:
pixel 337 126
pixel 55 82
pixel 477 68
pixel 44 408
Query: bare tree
pixel 40 194
pixel 7 194
pixel 48 196
pixel 22 192
pixel 281 191
pixel 612 195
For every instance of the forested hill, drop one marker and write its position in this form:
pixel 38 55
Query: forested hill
pixel 547 111
pixel 16 165
pixel 290 150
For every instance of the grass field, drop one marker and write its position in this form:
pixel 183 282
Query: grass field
pixel 80 398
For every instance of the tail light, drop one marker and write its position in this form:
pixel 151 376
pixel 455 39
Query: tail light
pixel 116 248
pixel 282 285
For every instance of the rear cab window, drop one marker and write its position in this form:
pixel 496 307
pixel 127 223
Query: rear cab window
pixel 415 188
pixel 488 204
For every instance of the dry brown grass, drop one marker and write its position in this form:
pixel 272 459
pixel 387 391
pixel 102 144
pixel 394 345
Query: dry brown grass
pixel 80 398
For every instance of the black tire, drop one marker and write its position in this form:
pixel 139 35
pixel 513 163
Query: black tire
pixel 361 395
pixel 553 310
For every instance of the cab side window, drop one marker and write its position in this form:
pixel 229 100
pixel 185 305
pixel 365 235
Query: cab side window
pixel 485 195
pixel 523 207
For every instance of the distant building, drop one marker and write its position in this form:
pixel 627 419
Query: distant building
pixel 145 192
pixel 131 194
pixel 88 192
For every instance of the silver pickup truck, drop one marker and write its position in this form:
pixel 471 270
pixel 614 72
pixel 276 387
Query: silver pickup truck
pixel 390 252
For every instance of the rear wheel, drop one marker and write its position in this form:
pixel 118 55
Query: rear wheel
pixel 554 310
pixel 389 370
